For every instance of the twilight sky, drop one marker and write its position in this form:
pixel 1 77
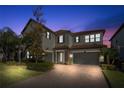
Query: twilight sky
pixel 74 18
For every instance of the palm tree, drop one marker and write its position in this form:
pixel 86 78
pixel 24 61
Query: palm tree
pixel 109 53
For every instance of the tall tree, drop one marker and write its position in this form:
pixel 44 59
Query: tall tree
pixel 38 14
pixel 8 41
pixel 36 35
pixel 36 41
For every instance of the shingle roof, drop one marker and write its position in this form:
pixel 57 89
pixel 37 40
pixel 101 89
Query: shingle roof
pixel 80 46
pixel 88 32
pixel 32 20
pixel 87 46
pixel 61 47
pixel 62 31
pixel 122 26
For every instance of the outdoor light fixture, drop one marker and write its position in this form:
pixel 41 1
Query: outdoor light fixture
pixel 101 58
pixel 71 55
pixel 43 54
pixel 30 56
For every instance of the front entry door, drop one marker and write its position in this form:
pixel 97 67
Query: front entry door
pixel 61 57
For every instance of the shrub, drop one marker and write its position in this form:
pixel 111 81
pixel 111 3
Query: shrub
pixel 108 67
pixel 123 66
pixel 43 66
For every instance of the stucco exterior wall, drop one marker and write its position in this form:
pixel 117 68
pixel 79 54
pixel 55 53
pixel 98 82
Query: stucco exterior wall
pixel 67 38
pixel 48 44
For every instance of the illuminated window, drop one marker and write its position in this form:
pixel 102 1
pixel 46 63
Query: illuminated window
pixel 97 37
pixel 77 39
pixel 86 38
pixel 48 35
pixel 91 38
pixel 28 54
pixel 61 39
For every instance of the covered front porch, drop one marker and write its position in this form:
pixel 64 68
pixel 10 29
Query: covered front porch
pixel 62 56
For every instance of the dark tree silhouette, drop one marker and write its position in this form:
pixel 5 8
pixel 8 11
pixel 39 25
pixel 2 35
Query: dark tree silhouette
pixel 38 14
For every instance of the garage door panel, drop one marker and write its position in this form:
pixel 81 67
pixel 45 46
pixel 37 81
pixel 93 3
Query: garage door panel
pixel 85 58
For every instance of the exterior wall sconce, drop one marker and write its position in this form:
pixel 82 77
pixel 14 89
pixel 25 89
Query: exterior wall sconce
pixel 71 55
pixel 43 54
pixel 31 57
pixel 71 59
pixel 101 58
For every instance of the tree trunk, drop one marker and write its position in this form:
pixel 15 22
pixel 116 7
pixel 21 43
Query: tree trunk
pixel 19 56
pixel 4 54
pixel 108 61
pixel 113 61
pixel 36 59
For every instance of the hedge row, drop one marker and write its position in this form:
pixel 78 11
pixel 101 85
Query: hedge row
pixel 43 66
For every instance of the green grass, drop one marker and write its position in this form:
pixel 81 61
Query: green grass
pixel 115 78
pixel 10 74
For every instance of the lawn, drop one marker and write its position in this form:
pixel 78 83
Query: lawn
pixel 115 78
pixel 10 74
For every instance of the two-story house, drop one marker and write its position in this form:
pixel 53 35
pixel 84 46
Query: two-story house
pixel 64 46
pixel 117 42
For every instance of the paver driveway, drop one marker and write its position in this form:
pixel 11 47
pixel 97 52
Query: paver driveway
pixel 67 76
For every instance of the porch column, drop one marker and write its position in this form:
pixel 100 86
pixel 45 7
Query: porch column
pixel 55 57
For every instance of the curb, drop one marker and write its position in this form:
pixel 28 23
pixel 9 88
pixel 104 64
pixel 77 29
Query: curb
pixel 109 84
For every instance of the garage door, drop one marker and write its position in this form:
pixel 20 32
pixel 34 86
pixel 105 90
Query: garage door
pixel 86 58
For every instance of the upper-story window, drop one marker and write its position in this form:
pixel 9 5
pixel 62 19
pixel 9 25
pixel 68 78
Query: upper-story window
pixel 77 39
pixel 48 35
pixel 92 38
pixel 61 39
pixel 97 37
pixel 87 38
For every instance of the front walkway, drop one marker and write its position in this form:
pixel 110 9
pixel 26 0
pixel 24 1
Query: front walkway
pixel 67 76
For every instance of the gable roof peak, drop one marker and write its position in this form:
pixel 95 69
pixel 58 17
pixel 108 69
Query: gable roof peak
pixel 122 26
pixel 32 20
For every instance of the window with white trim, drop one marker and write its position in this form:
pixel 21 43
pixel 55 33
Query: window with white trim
pixel 61 39
pixel 92 38
pixel 48 35
pixel 97 37
pixel 77 39
pixel 87 39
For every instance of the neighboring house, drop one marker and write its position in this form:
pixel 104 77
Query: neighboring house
pixel 117 42
pixel 67 47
